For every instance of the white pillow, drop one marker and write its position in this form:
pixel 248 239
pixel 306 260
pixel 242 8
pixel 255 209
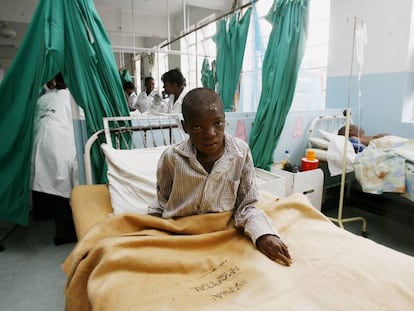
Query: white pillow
pixel 319 142
pixel 132 177
pixel 327 135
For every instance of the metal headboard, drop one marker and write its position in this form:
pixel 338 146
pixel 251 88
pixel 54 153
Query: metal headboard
pixel 329 123
pixel 134 132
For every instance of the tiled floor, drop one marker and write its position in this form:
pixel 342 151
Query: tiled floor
pixel 393 230
pixel 31 277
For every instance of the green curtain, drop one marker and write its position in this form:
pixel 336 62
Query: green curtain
pixel 230 39
pixel 208 75
pixel 63 36
pixel 284 53
pixel 125 76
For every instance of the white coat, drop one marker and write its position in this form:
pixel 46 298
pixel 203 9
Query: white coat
pixel 54 166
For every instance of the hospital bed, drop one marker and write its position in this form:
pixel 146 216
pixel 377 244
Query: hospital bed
pixel 131 261
pixel 321 130
pixel 385 165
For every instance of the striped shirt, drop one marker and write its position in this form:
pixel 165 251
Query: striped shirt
pixel 185 188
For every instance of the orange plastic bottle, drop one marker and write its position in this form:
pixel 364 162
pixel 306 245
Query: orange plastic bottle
pixel 310 162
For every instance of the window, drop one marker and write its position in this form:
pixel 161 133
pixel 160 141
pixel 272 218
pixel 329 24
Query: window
pixel 159 64
pixel 197 46
pixel 311 84
pixel 408 109
pixel 310 90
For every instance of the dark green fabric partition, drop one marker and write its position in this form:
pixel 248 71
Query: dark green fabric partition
pixel 284 53
pixel 208 75
pixel 125 76
pixel 230 39
pixel 63 36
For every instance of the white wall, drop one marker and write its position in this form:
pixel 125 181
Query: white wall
pixel 377 99
pixel 389 29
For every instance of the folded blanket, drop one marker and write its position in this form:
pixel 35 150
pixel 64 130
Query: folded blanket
pixel 140 262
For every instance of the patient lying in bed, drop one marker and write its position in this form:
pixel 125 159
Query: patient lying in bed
pixel 213 172
pixel 358 138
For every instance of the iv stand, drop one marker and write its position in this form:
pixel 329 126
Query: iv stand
pixel 340 220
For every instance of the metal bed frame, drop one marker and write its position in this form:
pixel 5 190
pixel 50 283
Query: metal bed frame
pixel 155 130
pixel 332 123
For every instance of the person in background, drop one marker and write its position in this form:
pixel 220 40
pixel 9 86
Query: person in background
pixel 358 138
pixel 175 88
pixel 212 172
pixel 131 95
pixel 54 163
pixel 146 98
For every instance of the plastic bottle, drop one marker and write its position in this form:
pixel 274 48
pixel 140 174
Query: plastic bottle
pixel 310 162
pixel 286 161
pixel 310 155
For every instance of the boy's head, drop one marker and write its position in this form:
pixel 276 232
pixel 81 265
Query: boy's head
pixel 354 131
pixel 204 121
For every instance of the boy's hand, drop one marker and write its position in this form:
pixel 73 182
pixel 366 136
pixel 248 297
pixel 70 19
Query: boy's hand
pixel 274 248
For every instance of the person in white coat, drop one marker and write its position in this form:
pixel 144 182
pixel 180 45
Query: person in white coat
pixel 146 98
pixel 175 88
pixel 130 95
pixel 54 163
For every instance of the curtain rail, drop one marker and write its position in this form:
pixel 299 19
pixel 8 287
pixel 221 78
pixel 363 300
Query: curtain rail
pixel 208 23
pixel 127 49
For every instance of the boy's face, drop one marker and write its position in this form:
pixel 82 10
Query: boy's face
pixel 205 125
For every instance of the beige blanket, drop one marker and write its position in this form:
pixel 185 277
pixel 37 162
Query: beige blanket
pixel 132 262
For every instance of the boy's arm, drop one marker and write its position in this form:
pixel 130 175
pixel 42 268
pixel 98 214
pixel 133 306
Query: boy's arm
pixel 255 222
pixel 367 139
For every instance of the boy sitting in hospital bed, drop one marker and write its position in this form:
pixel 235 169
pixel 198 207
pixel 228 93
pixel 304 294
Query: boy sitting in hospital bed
pixel 213 172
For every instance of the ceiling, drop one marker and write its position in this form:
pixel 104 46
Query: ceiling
pixel 128 22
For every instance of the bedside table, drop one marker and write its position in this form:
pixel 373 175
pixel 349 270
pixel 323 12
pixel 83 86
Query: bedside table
pixel 310 183
pixel 271 182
